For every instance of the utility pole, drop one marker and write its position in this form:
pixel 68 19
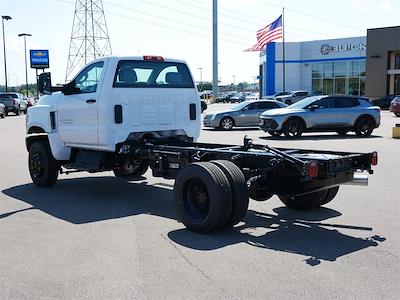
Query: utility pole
pixel 26 66
pixel 215 50
pixel 89 36
pixel 201 75
pixel 4 45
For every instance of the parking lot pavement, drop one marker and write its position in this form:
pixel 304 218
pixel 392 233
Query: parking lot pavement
pixel 95 236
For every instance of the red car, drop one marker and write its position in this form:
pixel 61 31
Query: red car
pixel 395 106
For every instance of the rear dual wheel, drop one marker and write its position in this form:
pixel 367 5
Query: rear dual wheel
pixel 209 196
pixel 310 200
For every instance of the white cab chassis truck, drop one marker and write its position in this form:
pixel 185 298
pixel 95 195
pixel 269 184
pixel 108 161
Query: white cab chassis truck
pixel 128 114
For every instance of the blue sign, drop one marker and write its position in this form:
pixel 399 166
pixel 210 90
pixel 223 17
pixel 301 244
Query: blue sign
pixel 39 59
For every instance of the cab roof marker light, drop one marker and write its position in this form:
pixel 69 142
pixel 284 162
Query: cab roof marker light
pixel 153 57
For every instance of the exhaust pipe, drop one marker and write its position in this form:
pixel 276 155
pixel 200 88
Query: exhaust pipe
pixel 359 179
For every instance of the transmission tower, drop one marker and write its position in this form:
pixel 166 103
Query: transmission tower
pixel 89 37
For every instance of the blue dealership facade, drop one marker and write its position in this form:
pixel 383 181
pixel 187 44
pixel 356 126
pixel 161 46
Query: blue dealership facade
pixel 335 66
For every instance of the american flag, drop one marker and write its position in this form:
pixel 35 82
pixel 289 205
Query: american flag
pixel 268 34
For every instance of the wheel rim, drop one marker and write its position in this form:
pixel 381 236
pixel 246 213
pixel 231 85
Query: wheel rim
pixel 365 126
pixel 196 199
pixel 130 167
pixel 294 128
pixel 36 165
pixel 227 123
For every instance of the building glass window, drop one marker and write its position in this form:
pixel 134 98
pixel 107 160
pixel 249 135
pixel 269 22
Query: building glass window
pixel 328 69
pixel 397 84
pixel 339 77
pixel 340 86
pixel 328 86
pixel 397 61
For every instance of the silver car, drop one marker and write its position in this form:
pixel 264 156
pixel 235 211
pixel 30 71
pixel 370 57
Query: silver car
pixel 293 97
pixel 247 113
pixel 2 110
pixel 339 114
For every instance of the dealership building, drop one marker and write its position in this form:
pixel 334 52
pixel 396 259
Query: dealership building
pixel 335 66
pixel 365 65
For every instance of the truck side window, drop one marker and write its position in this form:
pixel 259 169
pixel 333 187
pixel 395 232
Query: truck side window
pixel 88 79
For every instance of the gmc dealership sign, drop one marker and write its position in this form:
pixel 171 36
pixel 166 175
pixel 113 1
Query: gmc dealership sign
pixel 326 48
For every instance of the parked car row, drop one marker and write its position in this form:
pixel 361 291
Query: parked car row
pixel 15 103
pixel 339 114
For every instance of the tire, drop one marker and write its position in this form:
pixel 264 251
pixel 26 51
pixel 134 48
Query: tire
pixel 240 195
pixel 25 111
pixel 43 168
pixel 332 192
pixel 6 113
pixel 3 115
pixel 305 201
pixel 342 132
pixel 275 133
pixel 202 197
pixel 226 123
pixel 131 169
pixel 397 114
pixel 364 127
pixel 260 195
pixel 293 128
pixel 18 112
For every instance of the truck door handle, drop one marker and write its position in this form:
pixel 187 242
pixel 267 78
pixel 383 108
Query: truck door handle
pixel 91 101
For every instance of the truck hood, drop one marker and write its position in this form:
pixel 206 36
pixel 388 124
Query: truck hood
pixel 281 111
pixel 50 100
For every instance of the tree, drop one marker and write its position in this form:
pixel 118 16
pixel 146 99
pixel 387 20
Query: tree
pixel 204 86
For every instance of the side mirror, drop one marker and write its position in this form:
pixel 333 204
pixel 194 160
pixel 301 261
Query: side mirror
pixel 245 108
pixel 313 107
pixel 70 88
pixel 44 83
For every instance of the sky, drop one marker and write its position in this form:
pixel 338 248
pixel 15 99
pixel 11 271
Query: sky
pixel 183 29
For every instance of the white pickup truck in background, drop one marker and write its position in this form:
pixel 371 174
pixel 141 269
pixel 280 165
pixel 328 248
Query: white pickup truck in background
pixel 126 114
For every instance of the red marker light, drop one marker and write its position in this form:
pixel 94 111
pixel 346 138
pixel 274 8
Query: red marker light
pixel 153 57
pixel 312 169
pixel 374 158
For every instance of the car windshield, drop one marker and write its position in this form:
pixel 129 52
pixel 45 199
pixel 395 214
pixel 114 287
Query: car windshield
pixel 303 103
pixel 7 96
pixel 240 105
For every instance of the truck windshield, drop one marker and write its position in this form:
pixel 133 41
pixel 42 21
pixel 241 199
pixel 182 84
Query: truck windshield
pixel 152 74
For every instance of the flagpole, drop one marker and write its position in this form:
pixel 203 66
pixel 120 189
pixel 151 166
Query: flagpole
pixel 283 49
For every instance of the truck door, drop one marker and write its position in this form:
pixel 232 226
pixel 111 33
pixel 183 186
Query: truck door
pixel 77 107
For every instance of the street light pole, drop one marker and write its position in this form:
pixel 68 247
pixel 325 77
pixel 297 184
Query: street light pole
pixel 201 75
pixel 4 47
pixel 26 67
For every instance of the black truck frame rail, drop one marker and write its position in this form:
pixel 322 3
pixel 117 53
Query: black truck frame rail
pixel 276 170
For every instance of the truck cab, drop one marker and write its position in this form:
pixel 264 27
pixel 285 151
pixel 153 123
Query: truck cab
pixel 116 99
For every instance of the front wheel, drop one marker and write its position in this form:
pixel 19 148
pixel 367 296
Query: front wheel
pixel 43 168
pixel 3 115
pixel 18 112
pixel 226 123
pixel 364 127
pixel 293 128
pixel 131 169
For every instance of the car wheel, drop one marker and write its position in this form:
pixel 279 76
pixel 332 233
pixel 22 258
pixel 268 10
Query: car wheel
pixel 342 132
pixel 25 111
pixel 364 127
pixel 43 168
pixel 226 123
pixel 18 112
pixel 131 169
pixel 293 128
pixel 397 114
pixel 3 115
pixel 275 133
